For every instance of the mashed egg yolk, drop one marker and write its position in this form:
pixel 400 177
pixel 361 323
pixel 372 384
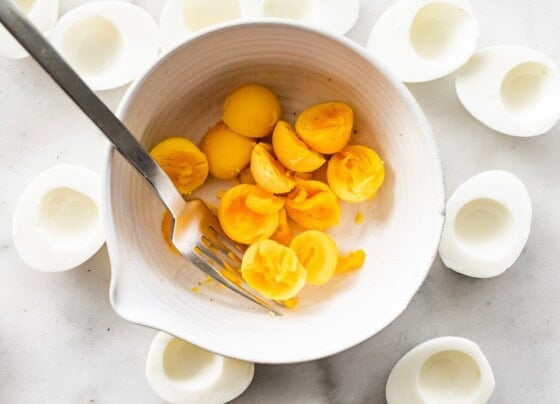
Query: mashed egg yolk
pixel 248 213
pixel 294 154
pixel 326 127
pixel 227 152
pixel 252 111
pixel 273 270
pixel 318 253
pixel 268 172
pixel 355 173
pixel 313 205
pixel 183 162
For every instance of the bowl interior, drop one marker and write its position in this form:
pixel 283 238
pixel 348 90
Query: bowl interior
pixel 182 95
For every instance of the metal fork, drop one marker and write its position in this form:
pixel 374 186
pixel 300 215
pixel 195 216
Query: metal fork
pixel 196 232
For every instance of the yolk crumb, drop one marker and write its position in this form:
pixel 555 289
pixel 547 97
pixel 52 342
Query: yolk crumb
pixel 359 218
pixel 350 262
pixel 291 303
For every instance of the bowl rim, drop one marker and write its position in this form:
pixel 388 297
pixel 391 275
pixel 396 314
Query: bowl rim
pixel 407 97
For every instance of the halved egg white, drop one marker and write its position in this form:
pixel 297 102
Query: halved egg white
pixel 423 40
pixel 487 224
pixel 180 372
pixel 42 13
pixel 57 222
pixel 450 370
pixel 109 43
pixel 181 18
pixel 511 89
pixel 335 16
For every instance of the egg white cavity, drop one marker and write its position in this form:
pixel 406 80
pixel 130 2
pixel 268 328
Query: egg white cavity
pixel 182 18
pixel 57 222
pixel 487 224
pixel 423 40
pixel 42 13
pixel 180 372
pixel 445 370
pixel 108 43
pixel 338 16
pixel 511 89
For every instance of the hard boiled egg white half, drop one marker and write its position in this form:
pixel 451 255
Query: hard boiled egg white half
pixel 487 223
pixel 423 40
pixel 445 370
pixel 42 13
pixel 181 18
pixel 57 222
pixel 180 372
pixel 109 43
pixel 335 16
pixel 511 89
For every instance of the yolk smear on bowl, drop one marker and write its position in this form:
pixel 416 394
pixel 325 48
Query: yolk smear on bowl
pixel 318 253
pixel 326 127
pixel 268 172
pixel 166 231
pixel 313 205
pixel 273 270
pixel 183 162
pixel 355 173
pixel 283 233
pixel 350 262
pixel 227 152
pixel 252 111
pixel 241 222
pixel 292 152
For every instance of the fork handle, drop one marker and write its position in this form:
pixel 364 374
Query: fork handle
pixel 67 79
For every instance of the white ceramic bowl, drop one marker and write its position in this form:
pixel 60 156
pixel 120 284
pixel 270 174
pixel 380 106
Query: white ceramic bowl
pixel 182 95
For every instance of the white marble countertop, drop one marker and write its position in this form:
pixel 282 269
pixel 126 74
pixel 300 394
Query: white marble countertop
pixel 61 342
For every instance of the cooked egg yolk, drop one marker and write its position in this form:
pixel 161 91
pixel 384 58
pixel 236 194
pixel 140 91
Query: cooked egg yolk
pixel 313 205
pixel 350 262
pixel 294 154
pixel 227 152
pixel 283 233
pixel 268 172
pixel 318 253
pixel 248 213
pixel 183 162
pixel 355 173
pixel 273 270
pixel 245 177
pixel 326 127
pixel 252 111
